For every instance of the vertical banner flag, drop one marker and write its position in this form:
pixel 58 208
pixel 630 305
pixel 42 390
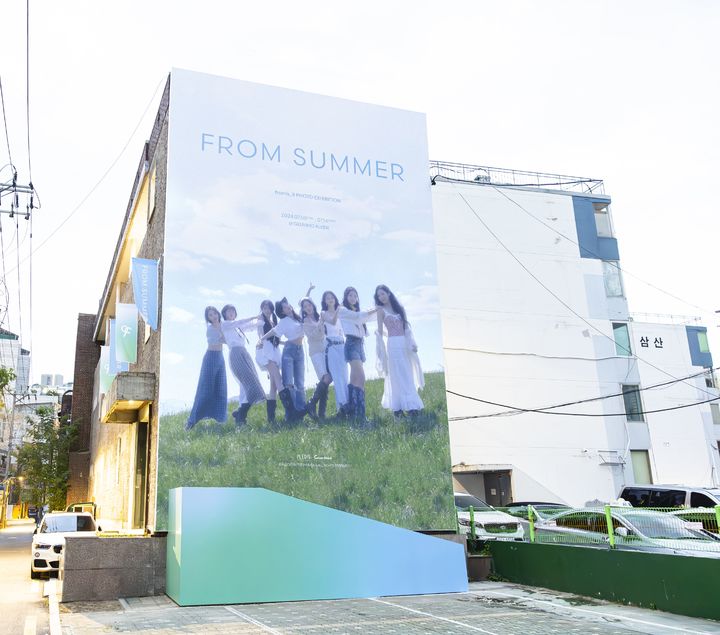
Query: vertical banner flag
pixel 106 377
pixel 126 333
pixel 115 366
pixel 145 289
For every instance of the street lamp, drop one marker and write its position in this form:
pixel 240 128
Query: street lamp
pixel 6 496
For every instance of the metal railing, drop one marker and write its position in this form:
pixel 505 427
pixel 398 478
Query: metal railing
pixel 515 178
pixel 674 530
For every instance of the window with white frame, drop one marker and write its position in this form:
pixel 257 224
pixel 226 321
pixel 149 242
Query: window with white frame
pixel 633 403
pixel 715 410
pixel 613 281
pixel 602 220
pixel 621 335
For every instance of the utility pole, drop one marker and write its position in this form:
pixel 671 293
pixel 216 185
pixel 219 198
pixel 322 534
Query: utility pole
pixel 14 189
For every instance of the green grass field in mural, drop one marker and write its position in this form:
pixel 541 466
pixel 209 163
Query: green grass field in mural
pixel 397 472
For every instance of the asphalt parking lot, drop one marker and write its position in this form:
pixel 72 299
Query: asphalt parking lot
pixel 493 608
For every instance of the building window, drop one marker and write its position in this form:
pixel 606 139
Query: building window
pixel 633 404
pixel 602 220
pixel 715 410
pixel 703 341
pixel 611 275
pixel 641 467
pixel 621 335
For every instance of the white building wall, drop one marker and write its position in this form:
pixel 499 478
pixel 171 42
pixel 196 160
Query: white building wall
pixel 508 340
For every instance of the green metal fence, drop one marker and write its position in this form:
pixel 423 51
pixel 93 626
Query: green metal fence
pixel 675 530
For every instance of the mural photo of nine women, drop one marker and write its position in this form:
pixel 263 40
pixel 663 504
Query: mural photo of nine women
pixel 336 346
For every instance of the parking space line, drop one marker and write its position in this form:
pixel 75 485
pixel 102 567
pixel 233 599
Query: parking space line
pixel 435 617
pixel 619 618
pixel 30 625
pixel 252 620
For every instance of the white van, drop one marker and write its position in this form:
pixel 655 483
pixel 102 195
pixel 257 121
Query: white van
pixel 670 496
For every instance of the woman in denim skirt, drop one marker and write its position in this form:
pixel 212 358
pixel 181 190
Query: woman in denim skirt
pixel 292 361
pixel 353 323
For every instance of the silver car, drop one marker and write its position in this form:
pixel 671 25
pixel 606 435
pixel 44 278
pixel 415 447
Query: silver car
pixel 490 523
pixel 633 528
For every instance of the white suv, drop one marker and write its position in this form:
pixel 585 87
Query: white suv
pixel 490 523
pixel 49 539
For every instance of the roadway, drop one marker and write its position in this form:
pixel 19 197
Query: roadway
pixel 23 610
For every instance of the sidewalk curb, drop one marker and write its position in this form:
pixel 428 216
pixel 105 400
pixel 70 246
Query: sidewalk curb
pixel 53 607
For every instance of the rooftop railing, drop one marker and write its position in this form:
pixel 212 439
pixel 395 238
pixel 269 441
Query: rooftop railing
pixel 515 178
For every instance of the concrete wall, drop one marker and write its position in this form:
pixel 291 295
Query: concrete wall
pixel 93 568
pixel 509 340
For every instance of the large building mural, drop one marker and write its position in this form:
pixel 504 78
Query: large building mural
pixel 301 344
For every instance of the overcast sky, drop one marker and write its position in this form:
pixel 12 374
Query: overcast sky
pixel 625 92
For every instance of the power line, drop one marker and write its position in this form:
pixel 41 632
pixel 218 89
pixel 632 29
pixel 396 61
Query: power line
pixel 572 240
pixel 553 294
pixel 582 401
pixel 572 414
pixel 100 180
pixel 7 137
pixel 27 83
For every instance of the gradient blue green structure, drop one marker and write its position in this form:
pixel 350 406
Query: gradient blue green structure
pixel 242 545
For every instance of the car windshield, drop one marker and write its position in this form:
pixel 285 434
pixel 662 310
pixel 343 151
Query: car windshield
pixel 464 502
pixel 54 524
pixel 662 527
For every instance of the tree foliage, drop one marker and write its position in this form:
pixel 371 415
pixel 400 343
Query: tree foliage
pixel 44 462
pixel 7 376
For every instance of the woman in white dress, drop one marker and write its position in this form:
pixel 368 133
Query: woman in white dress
pixel 403 376
pixel 268 356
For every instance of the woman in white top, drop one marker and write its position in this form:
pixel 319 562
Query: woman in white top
pixel 211 394
pixel 353 323
pixel 314 329
pixel 403 375
pixel 292 361
pixel 241 363
pixel 268 356
pixel 335 350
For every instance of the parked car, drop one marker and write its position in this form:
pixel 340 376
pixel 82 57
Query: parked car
pixel 49 539
pixel 490 523
pixel 670 496
pixel 702 518
pixel 641 529
pixel 520 508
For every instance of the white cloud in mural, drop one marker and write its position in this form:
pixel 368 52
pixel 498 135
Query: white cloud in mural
pixel 211 293
pixel 172 358
pixel 243 218
pixel 177 314
pixel 250 289
pixel 422 242
pixel 421 303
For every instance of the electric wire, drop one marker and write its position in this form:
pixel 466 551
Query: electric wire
pixel 553 294
pixel 7 136
pixel 613 263
pixel 572 414
pixel 100 180
pixel 515 410
pixel 27 84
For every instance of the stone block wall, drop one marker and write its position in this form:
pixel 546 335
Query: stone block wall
pixel 96 568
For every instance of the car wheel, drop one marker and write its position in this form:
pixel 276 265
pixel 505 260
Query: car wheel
pixel 34 575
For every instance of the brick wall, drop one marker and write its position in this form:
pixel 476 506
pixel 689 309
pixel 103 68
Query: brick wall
pixel 87 354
